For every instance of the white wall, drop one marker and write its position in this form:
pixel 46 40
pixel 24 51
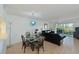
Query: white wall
pixel 2 41
pixel 1 10
pixel 2 46
pixel 20 25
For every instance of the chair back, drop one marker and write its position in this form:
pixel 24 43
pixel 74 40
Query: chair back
pixel 27 34
pixel 41 40
pixel 23 38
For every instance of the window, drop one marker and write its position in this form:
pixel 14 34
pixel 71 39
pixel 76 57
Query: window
pixel 65 28
pixel 45 26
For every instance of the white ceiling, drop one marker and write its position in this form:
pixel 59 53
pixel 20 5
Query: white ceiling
pixel 44 11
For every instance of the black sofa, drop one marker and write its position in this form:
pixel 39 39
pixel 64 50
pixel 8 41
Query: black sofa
pixel 52 37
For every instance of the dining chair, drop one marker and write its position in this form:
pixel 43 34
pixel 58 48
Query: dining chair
pixel 42 42
pixel 23 43
pixel 39 44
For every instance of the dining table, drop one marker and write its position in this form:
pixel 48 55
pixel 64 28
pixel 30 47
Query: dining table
pixel 34 43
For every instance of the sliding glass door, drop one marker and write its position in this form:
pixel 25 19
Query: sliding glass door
pixel 65 28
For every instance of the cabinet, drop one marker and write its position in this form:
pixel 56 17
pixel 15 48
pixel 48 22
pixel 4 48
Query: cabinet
pixel 76 33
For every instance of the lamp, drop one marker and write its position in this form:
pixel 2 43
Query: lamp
pixel 33 22
pixel 2 29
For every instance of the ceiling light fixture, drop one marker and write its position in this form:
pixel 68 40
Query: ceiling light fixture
pixel 33 22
